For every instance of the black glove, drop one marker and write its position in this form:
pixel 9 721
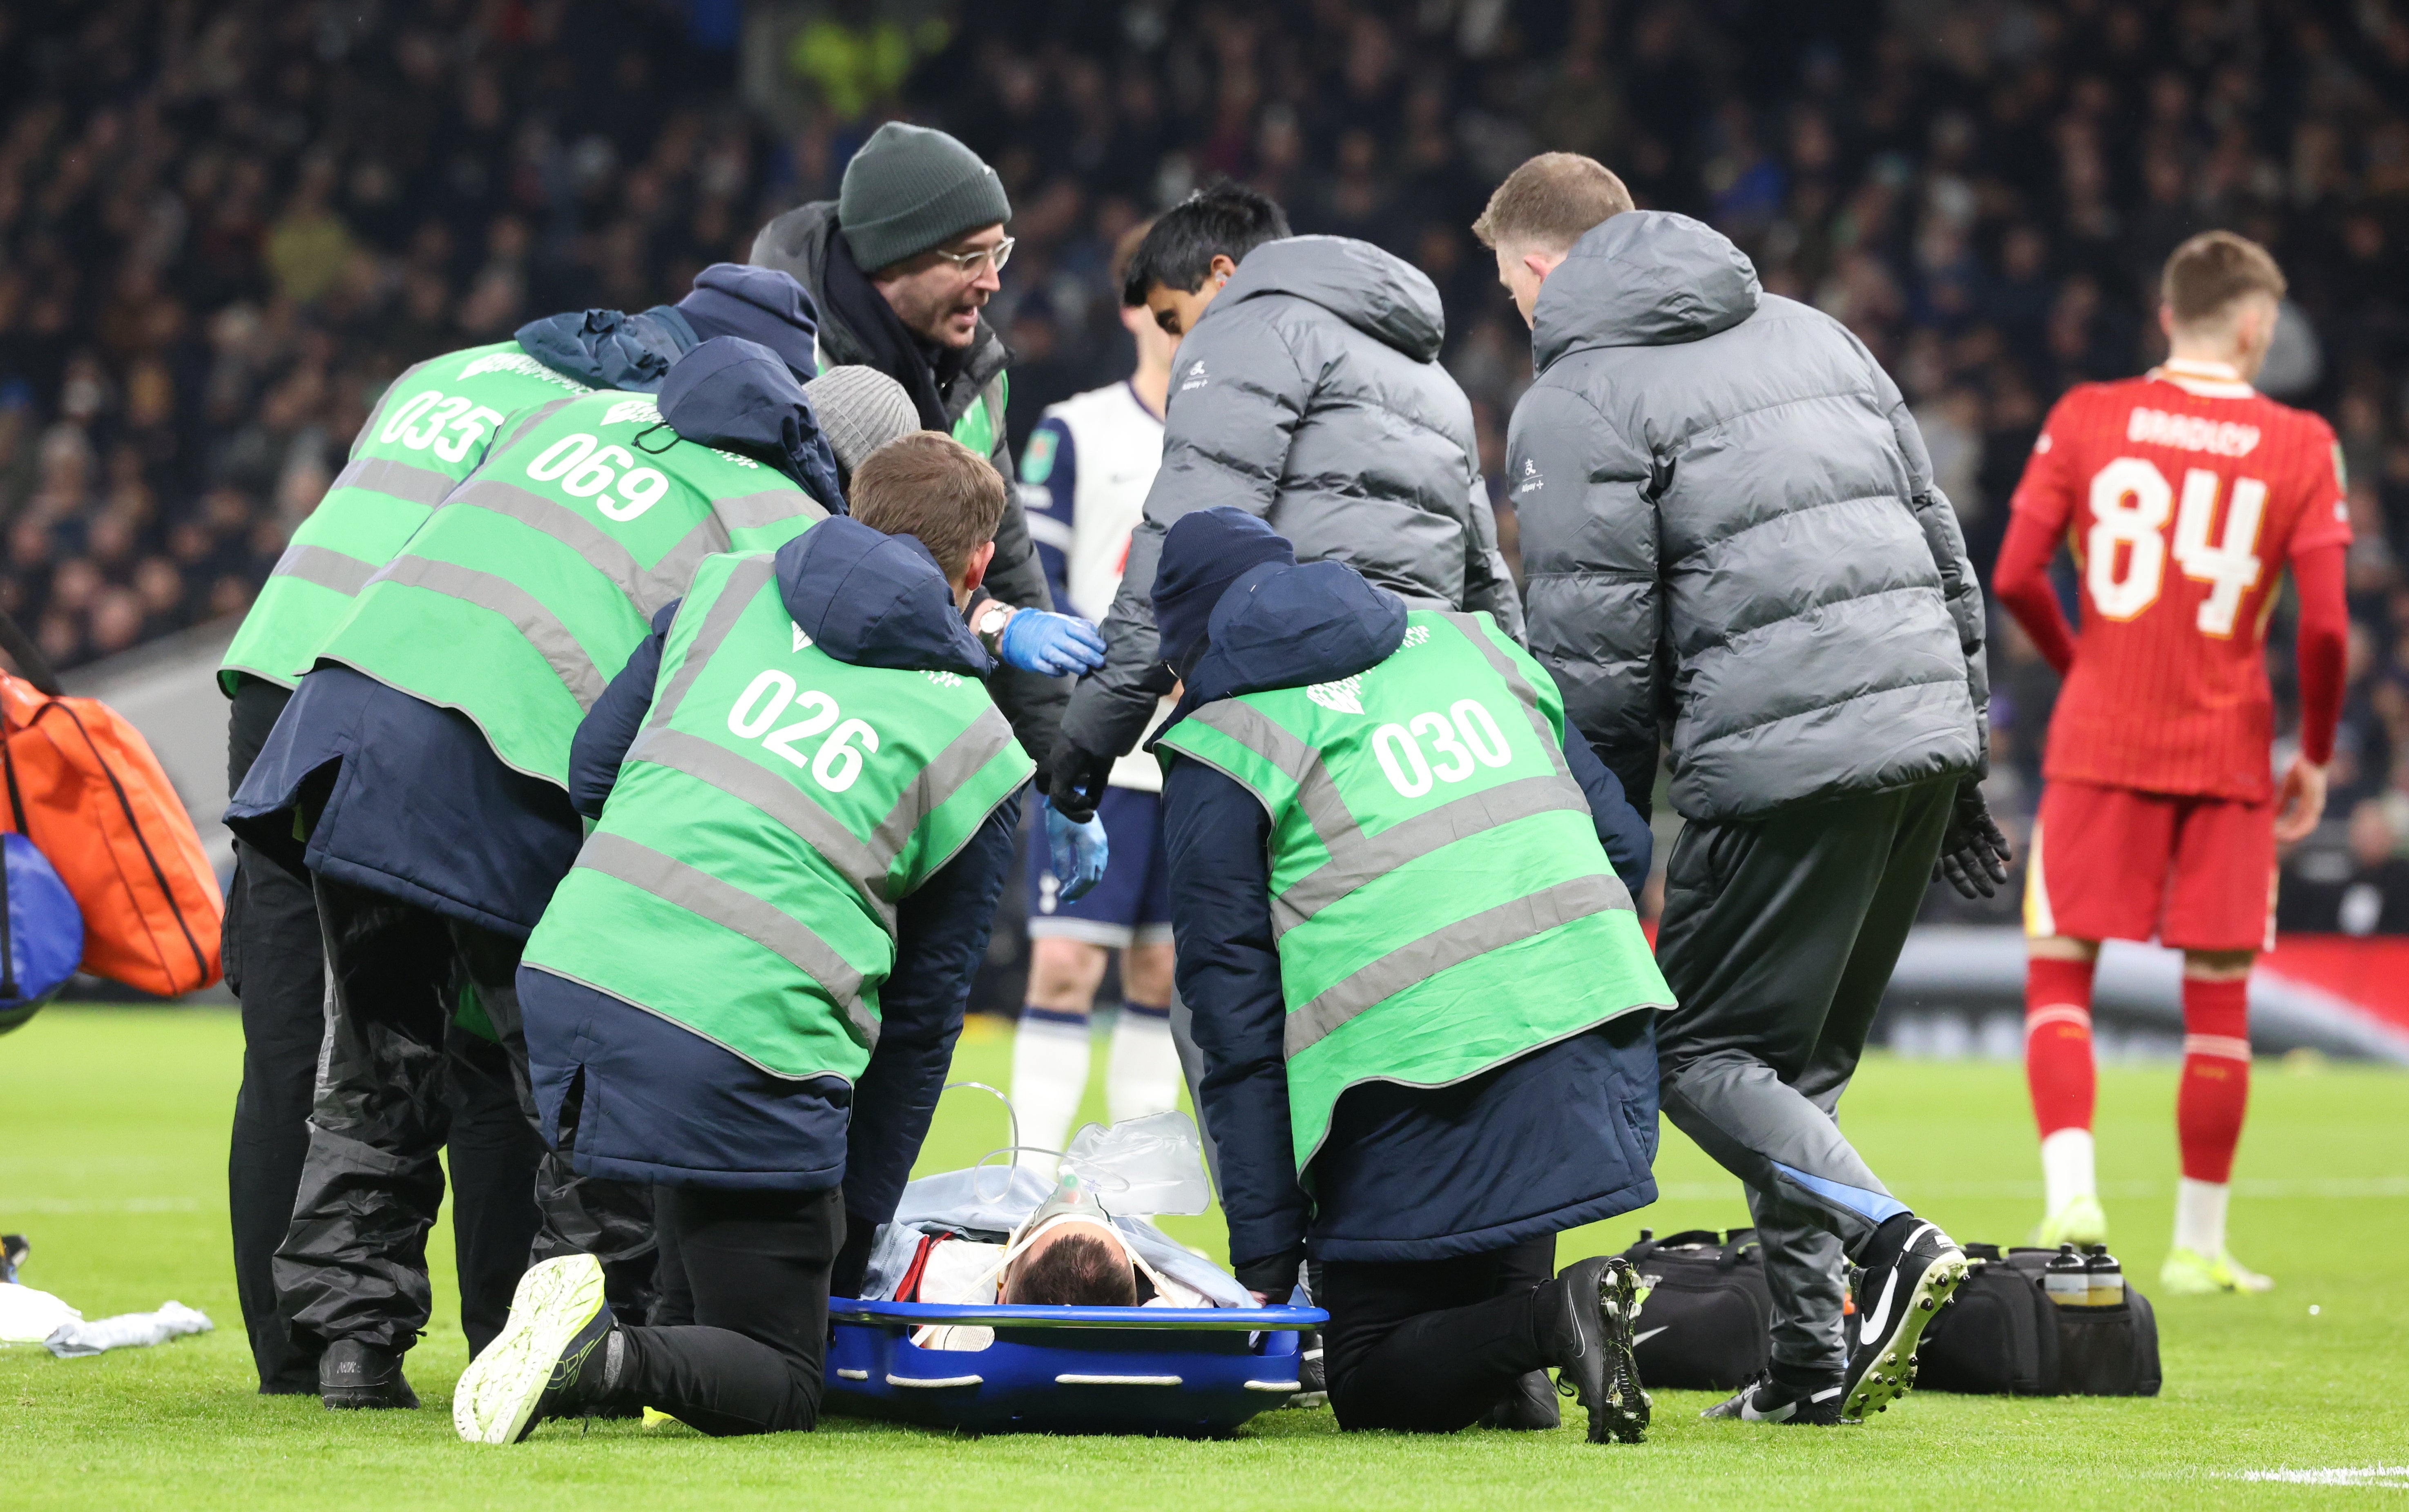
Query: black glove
pixel 846 1277
pixel 1076 780
pixel 1973 854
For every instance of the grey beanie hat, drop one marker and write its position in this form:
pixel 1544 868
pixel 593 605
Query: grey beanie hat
pixel 911 188
pixel 859 410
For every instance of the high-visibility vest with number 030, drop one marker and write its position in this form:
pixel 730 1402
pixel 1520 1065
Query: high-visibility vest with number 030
pixel 1440 897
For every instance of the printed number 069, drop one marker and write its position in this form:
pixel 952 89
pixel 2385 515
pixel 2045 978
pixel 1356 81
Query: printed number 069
pixel 1471 741
pixel 768 696
pixel 584 472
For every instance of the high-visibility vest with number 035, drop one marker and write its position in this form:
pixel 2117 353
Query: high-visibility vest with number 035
pixel 776 806
pixel 1440 897
pixel 523 594
pixel 433 428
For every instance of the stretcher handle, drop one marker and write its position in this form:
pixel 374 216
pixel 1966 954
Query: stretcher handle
pixel 977 1315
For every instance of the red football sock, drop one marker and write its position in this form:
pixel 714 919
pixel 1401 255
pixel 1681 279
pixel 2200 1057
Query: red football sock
pixel 2215 1077
pixel 2058 1044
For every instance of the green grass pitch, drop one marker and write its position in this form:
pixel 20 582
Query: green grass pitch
pixel 112 1152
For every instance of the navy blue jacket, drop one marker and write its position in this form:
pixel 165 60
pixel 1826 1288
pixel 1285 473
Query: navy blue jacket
pixel 406 799
pixel 632 1096
pixel 1563 1136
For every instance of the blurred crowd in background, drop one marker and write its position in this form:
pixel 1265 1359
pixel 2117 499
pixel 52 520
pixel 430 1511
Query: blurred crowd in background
pixel 223 227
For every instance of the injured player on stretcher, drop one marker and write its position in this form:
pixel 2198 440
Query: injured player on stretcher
pixel 991 1235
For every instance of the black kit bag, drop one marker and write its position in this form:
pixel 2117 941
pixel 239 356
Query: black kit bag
pixel 2001 1335
pixel 1707 1323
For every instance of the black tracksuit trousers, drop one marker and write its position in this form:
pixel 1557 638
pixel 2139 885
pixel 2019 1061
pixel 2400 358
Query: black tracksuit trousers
pixel 1404 1351
pixel 1778 936
pixel 744 1275
pixel 399 1080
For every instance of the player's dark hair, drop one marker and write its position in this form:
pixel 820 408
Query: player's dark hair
pixel 1221 219
pixel 1075 1271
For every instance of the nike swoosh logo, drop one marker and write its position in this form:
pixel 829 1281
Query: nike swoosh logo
pixel 1638 1339
pixel 1872 1326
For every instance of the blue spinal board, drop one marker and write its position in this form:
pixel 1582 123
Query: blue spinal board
pixel 1194 1372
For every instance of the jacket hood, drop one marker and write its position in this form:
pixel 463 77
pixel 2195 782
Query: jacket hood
pixel 739 394
pixel 873 600
pixel 1380 294
pixel 1284 626
pixel 1642 279
pixel 606 349
pixel 759 304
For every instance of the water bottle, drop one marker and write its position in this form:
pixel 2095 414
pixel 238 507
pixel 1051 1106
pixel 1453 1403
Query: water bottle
pixel 2067 1278
pixel 2105 1276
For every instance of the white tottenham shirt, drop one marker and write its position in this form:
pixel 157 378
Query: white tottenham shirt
pixel 1084 477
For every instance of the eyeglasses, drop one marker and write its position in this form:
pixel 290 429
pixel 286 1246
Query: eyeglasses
pixel 969 261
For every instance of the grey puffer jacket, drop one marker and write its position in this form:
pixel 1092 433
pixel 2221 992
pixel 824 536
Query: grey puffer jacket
pixel 1310 393
pixel 797 244
pixel 1730 529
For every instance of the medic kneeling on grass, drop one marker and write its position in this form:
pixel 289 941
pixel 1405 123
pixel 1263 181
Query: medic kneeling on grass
pixel 747 990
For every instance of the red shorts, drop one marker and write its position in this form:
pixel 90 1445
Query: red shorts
pixel 2116 863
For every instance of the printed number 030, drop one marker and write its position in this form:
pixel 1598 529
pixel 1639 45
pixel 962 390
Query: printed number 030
pixel 584 472
pixel 450 425
pixel 1464 743
pixel 768 696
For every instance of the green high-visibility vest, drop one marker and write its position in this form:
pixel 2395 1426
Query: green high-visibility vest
pixel 1440 898
pixel 773 808
pixel 522 595
pixel 982 424
pixel 433 428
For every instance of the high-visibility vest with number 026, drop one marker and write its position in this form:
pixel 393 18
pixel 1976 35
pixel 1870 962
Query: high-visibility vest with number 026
pixel 775 807
pixel 1440 897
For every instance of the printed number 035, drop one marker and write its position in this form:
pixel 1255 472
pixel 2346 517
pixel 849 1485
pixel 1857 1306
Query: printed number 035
pixel 450 425
pixel 1464 740
pixel 584 471
pixel 769 696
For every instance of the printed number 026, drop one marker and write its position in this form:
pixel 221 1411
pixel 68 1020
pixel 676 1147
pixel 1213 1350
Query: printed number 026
pixel 768 696
pixel 1465 739
pixel 585 471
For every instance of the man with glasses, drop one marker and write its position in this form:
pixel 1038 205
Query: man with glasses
pixel 901 265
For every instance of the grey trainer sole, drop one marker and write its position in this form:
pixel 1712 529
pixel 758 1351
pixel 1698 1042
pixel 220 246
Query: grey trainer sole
pixel 496 1400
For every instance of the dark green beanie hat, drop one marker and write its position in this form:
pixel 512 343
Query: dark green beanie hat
pixel 911 188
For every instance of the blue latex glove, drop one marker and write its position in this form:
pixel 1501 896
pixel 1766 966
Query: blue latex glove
pixel 1080 851
pixel 1051 645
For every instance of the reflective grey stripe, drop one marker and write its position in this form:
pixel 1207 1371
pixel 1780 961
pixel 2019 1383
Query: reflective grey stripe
pixel 541 628
pixel 647 588
pixel 534 418
pixel 747 512
pixel 1315 793
pixel 398 480
pixel 735 595
pixel 965 757
pixel 1359 858
pixel 1417 961
pixel 748 781
pixel 324 566
pixel 706 897
pixel 1526 695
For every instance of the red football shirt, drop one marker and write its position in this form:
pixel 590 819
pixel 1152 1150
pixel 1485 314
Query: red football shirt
pixel 2182 494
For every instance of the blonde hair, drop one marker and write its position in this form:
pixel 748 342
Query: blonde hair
pixel 2208 274
pixel 932 487
pixel 1550 201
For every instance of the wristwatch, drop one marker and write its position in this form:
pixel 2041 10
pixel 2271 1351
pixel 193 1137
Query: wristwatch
pixel 988 622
